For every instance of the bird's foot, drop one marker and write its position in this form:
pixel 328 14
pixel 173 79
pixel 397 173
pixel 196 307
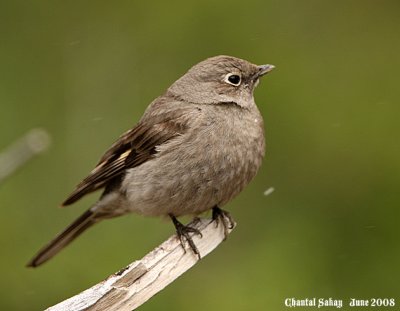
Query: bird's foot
pixel 183 233
pixel 223 217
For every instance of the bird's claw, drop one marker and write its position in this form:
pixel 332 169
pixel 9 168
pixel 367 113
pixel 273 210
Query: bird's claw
pixel 184 233
pixel 223 217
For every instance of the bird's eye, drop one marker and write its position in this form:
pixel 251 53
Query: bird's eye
pixel 233 79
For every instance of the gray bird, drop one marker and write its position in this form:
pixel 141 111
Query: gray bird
pixel 194 149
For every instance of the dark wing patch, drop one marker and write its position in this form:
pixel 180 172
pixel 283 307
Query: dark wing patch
pixel 133 148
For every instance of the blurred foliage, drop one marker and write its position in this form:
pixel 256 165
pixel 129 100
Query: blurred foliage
pixel 86 70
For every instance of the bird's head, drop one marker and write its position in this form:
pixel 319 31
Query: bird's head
pixel 220 79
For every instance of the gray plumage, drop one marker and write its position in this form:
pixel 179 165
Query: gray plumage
pixel 195 148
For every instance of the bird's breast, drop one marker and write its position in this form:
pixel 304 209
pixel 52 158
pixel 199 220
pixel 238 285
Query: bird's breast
pixel 234 151
pixel 207 166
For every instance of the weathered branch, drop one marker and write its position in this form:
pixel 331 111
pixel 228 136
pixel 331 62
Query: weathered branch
pixel 142 279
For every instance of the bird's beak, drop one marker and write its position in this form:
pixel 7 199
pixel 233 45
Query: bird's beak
pixel 264 69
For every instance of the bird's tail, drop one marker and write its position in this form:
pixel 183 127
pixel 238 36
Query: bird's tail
pixel 86 220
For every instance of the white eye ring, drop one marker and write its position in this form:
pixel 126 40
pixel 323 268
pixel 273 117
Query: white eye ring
pixel 233 79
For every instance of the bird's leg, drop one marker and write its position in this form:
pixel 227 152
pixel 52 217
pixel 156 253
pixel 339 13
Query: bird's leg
pixel 183 233
pixel 219 215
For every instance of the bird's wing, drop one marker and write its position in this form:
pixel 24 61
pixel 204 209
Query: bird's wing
pixel 133 148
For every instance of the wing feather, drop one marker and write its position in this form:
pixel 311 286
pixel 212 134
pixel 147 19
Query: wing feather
pixel 133 148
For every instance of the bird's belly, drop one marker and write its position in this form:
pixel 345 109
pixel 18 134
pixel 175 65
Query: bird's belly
pixel 189 182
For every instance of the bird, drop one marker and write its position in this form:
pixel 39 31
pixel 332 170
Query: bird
pixel 194 149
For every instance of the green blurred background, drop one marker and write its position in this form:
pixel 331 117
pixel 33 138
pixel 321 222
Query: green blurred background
pixel 85 71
